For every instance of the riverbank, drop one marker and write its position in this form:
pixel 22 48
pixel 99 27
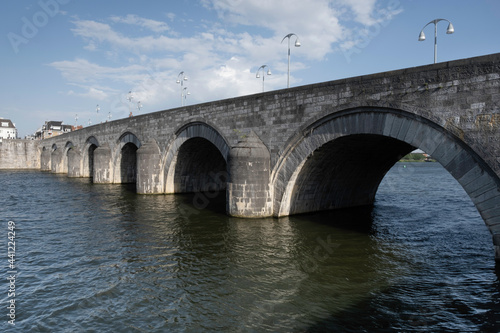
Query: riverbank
pixel 417 157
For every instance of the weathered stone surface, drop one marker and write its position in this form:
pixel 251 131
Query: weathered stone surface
pixel 149 175
pixel 45 160
pixel 20 154
pixel 57 162
pixel 74 163
pixel 102 166
pixel 248 191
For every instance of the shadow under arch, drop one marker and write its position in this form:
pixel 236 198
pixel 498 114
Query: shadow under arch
pixel 340 160
pixel 126 158
pixel 196 159
pixel 91 144
pixel 67 147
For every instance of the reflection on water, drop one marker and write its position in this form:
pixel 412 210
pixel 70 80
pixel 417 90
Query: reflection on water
pixel 101 258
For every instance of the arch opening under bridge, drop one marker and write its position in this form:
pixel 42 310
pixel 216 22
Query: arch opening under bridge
pixel 126 158
pixel 196 162
pixel 340 160
pixel 91 144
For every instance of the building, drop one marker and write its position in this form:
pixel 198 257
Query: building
pixel 7 129
pixel 51 129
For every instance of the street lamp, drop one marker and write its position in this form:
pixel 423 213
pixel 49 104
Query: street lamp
pixel 139 105
pixel 184 94
pixel 297 44
pixel 130 96
pixel 449 30
pixel 263 74
pixel 97 108
pixel 180 79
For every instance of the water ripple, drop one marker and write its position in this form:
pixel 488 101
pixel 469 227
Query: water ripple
pixel 102 259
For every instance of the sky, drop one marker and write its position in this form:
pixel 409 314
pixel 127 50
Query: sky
pixel 77 60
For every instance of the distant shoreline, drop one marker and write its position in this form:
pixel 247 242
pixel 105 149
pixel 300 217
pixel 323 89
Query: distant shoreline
pixel 417 157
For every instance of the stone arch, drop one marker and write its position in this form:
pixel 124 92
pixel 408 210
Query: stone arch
pixel 193 143
pixel 91 144
pixel 129 137
pixel 67 147
pixel 336 141
pixel 125 164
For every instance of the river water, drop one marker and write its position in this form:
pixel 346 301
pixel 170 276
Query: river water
pixel 100 258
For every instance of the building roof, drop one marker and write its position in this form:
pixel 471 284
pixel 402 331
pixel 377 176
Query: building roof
pixel 50 124
pixel 6 123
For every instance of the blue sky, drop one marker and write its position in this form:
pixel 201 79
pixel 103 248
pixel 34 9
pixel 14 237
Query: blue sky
pixel 62 58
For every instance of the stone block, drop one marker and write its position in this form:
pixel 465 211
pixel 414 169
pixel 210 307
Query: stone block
pixel 74 163
pixel 149 171
pixel 102 166
pixel 446 151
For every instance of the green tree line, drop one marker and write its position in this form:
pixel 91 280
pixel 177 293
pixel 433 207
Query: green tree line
pixel 416 157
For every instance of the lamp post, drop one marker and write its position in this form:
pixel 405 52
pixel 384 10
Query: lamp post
pixel 184 94
pixel 180 79
pixel 263 74
pixel 449 31
pixel 297 44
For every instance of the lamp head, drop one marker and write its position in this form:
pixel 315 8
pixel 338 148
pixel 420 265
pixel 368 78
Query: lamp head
pixel 421 37
pixel 297 43
pixel 268 72
pixel 450 29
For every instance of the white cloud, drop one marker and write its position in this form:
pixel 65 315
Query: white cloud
pixel 362 10
pixel 83 71
pixel 315 21
pixel 155 26
pixel 220 57
pixel 91 93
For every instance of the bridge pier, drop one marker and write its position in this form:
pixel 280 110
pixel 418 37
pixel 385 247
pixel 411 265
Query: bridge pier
pixel 496 243
pixel 149 174
pixel 248 191
pixel 74 163
pixel 56 158
pixel 45 160
pixel 102 165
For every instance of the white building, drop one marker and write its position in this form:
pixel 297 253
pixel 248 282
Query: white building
pixel 7 129
pixel 52 128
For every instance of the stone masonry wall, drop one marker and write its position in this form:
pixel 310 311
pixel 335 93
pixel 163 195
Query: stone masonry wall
pixel 462 96
pixel 19 154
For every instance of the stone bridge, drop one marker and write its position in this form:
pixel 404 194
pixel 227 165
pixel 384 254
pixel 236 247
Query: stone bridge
pixel 310 148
